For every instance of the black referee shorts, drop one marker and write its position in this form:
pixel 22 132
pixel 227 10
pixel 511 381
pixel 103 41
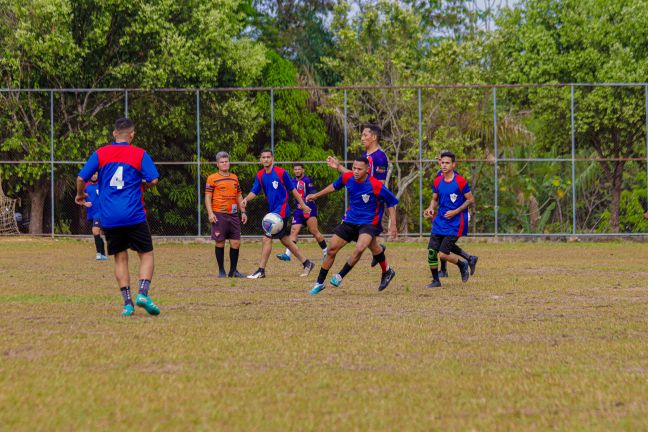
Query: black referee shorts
pixel 136 237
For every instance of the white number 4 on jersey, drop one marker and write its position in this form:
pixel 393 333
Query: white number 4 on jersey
pixel 117 179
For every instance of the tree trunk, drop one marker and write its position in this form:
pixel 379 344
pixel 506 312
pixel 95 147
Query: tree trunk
pixel 617 178
pixel 37 196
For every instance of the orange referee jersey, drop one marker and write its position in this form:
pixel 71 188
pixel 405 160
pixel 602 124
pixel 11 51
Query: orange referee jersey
pixel 224 190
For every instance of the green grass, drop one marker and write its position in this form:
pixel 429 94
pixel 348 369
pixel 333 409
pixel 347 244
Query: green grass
pixel 545 336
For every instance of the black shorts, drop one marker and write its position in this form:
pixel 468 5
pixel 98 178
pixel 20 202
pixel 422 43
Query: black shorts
pixel 350 232
pixel 136 237
pixel 442 243
pixel 228 227
pixel 285 230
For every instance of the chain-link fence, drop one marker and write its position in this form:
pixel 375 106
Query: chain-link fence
pixel 541 160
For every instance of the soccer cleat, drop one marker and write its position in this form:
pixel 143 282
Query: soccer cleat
pixel 317 288
pixel 259 274
pixel 336 280
pixel 222 274
pixel 283 257
pixel 145 302
pixel 374 261
pixel 443 273
pixel 435 284
pixel 472 263
pixel 308 267
pixel 236 274
pixel 128 310
pixel 101 257
pixel 386 278
pixel 464 270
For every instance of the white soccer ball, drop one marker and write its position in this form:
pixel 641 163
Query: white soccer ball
pixel 272 223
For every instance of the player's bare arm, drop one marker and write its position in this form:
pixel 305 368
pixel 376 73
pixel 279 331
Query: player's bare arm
pixel 327 190
pixel 301 202
pixel 81 195
pixel 393 223
pixel 429 212
pixel 470 200
pixel 210 213
pixel 249 197
pixel 333 162
pixel 242 204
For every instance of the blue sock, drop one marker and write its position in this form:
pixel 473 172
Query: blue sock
pixel 144 285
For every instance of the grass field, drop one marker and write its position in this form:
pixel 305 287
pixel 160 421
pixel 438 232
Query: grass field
pixel 544 336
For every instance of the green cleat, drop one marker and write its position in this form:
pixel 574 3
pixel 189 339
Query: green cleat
pixel 148 305
pixel 129 310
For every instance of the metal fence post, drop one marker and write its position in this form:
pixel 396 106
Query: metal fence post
pixel 272 121
pixel 420 131
pixel 573 163
pixel 346 145
pixel 126 103
pixel 646 95
pixel 198 158
pixel 52 162
pixel 496 157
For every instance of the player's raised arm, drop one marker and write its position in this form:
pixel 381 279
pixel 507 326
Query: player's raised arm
pixel 333 162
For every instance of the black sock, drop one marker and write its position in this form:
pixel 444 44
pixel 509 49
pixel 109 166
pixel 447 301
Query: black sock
pixel 144 285
pixel 346 269
pixel 234 254
pixel 99 245
pixel 435 274
pixel 306 263
pixel 444 265
pixel 460 263
pixel 322 275
pixel 220 258
pixel 465 255
pixel 322 244
pixel 126 295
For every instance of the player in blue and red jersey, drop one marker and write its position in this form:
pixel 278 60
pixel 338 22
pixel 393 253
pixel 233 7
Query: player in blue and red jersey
pixel 452 196
pixel 304 186
pixel 125 171
pixel 378 167
pixel 275 183
pixel 472 259
pixel 92 213
pixel 366 197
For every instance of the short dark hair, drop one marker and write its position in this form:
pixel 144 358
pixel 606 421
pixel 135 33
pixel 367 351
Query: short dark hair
pixel 266 150
pixel 375 129
pixel 362 159
pixel 124 123
pixel 447 153
pixel 298 164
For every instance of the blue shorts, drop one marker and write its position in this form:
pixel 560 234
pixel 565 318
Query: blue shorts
pixel 96 223
pixel 300 219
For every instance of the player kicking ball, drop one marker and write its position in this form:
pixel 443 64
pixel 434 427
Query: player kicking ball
pixel 452 196
pixel 366 197
pixel 275 183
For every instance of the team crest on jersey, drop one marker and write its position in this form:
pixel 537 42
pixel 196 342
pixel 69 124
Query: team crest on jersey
pixel 275 184
pixel 365 198
pixel 453 197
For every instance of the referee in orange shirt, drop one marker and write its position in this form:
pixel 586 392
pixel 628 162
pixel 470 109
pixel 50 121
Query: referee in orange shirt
pixel 223 200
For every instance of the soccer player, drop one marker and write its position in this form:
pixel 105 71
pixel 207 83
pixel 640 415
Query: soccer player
pixel 223 200
pixel 275 183
pixel 92 213
pixel 366 198
pixel 378 166
pixel 452 196
pixel 304 186
pixel 125 171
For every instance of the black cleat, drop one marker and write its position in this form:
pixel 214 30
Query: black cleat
pixel 259 274
pixel 386 278
pixel 374 261
pixel 222 274
pixel 435 284
pixel 472 263
pixel 464 270
pixel 236 274
pixel 443 273
pixel 308 267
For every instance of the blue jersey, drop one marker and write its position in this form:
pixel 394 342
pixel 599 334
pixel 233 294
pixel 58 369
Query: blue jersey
pixel 305 186
pixel 378 164
pixel 365 199
pixel 451 197
pixel 275 186
pixel 121 169
pixel 92 190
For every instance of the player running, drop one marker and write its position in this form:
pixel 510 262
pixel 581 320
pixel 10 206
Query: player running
pixel 452 196
pixel 92 213
pixel 125 171
pixel 275 183
pixel 366 197
pixel 304 186
pixel 223 200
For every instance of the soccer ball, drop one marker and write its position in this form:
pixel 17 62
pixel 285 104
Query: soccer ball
pixel 272 223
